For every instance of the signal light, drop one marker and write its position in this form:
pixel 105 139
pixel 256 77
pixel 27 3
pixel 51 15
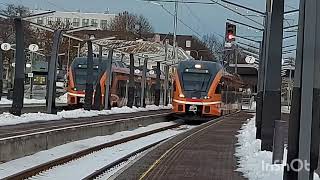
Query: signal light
pixel 231 37
pixel 230 32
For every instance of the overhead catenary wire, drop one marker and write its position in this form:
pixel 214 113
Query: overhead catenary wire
pixel 192 13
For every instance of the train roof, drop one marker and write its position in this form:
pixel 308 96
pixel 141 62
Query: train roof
pixel 209 65
pixel 117 66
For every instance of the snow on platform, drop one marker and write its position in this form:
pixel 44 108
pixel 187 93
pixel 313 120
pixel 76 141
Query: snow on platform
pixel 109 154
pixel 62 99
pixel 9 119
pixel 254 163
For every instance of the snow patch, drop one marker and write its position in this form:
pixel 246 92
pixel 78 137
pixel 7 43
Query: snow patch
pixel 110 155
pixel 6 101
pixel 9 119
pixel 254 163
pixel 62 100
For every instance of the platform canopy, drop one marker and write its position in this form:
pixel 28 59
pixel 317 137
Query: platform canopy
pixel 141 49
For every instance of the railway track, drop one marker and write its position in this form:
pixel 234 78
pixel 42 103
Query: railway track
pixel 26 139
pixel 6 132
pixel 42 170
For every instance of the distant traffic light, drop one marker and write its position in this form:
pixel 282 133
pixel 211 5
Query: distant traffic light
pixel 231 30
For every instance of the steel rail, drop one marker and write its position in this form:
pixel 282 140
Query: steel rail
pixel 60 161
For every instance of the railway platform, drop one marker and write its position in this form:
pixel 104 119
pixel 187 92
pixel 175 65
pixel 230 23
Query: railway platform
pixel 206 152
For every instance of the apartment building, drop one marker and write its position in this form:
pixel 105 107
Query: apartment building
pixel 75 19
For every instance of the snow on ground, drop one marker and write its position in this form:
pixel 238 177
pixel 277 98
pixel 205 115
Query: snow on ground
pixel 9 119
pixel 285 109
pixel 108 155
pixel 62 99
pixel 25 101
pixel 251 107
pixel 254 163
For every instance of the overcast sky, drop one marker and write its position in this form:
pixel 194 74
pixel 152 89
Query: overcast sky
pixel 203 19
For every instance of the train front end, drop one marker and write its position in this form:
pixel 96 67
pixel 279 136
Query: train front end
pixel 197 90
pixel 77 78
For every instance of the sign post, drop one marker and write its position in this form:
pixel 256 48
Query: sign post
pixel 4 47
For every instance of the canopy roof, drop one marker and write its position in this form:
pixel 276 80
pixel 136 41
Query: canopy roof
pixel 144 49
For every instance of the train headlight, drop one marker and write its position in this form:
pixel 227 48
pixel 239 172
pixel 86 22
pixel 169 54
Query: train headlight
pixel 198 66
pixel 207 97
pixel 74 89
pixel 181 95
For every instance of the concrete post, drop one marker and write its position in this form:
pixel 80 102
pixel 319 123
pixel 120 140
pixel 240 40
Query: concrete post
pixel 107 104
pixel 260 89
pixel 158 85
pixel 52 73
pixel 271 108
pixel 294 119
pixel 131 82
pixel 18 87
pixel 143 83
pixel 89 80
pixel 278 146
pixel 310 92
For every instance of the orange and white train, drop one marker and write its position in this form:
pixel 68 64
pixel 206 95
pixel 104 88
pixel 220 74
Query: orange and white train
pixel 119 86
pixel 203 89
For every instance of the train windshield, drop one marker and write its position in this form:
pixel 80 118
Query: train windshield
pixel 196 82
pixel 81 76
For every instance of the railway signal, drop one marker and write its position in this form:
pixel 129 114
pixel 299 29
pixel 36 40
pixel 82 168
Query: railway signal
pixel 230 32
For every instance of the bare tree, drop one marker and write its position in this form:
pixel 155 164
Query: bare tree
pixel 129 22
pixel 13 10
pixel 214 45
pixel 6 25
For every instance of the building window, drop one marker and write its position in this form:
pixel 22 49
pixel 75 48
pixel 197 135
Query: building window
pixel 58 20
pixel 67 21
pixel 104 24
pixel 94 22
pixel 76 22
pixel 49 21
pixel 188 43
pixel 40 20
pixel 85 22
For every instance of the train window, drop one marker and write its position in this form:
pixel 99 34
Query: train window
pixel 195 81
pixel 174 86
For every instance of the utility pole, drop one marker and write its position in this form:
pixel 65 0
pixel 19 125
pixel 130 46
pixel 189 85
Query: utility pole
pixel 175 24
pixel 236 59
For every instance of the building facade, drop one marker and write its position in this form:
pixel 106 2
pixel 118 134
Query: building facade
pixel 75 19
